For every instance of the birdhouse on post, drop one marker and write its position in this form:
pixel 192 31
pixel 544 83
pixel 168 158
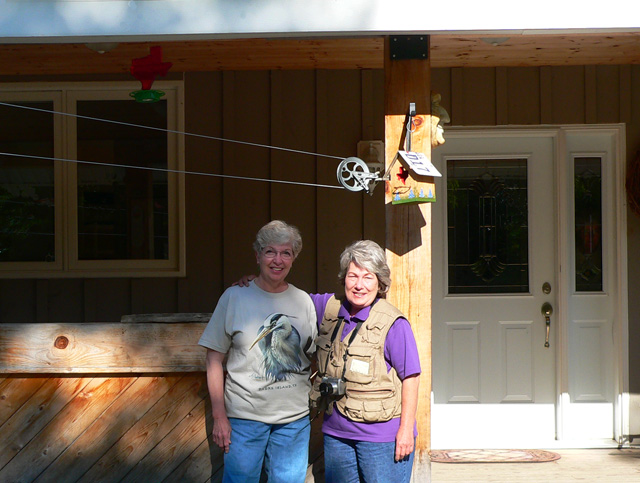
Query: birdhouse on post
pixel 413 178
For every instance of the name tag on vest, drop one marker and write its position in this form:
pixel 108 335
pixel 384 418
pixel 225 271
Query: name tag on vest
pixel 361 367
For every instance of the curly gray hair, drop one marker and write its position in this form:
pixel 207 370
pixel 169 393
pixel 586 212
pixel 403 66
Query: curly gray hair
pixel 277 232
pixel 369 255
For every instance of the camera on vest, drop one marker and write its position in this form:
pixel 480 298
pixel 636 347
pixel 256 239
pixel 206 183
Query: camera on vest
pixel 332 386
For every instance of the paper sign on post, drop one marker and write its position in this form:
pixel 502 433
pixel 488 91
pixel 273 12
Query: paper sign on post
pixel 419 163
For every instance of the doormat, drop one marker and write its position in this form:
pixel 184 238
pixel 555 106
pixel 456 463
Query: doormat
pixel 493 456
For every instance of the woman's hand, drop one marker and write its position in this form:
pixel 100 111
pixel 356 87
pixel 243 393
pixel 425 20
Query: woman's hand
pixel 215 383
pixel 222 432
pixel 244 281
pixel 404 437
pixel 404 443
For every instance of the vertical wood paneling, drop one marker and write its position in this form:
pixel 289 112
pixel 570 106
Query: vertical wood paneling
pixel 154 296
pixel 246 204
pixel 479 101
pixel 456 113
pixel 590 94
pixel 66 300
pixel 524 95
pixel 293 125
pixel 17 301
pixel 203 196
pixel 546 95
pixel 373 129
pixel 42 300
pixel 607 93
pixel 502 95
pixel 567 95
pixel 339 211
pixel 624 89
pixel 107 300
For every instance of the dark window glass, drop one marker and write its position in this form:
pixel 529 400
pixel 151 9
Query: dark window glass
pixel 588 223
pixel 27 214
pixel 122 212
pixel 487 226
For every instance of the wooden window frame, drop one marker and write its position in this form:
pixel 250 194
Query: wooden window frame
pixel 67 264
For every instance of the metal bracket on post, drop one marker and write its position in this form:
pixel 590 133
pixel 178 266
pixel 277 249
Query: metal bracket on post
pixel 411 47
pixel 410 125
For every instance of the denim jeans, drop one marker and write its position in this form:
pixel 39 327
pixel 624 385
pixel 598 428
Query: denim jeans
pixel 349 461
pixel 284 449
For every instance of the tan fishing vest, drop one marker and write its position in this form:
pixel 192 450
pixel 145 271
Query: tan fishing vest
pixel 372 393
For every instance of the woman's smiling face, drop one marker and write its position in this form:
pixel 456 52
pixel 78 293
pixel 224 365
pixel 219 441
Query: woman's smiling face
pixel 275 263
pixel 360 287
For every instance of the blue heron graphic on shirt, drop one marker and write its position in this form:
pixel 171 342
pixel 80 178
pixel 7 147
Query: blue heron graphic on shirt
pixel 279 342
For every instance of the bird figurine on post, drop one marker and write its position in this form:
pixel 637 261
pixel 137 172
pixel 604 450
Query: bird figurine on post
pixel 279 342
pixel 146 69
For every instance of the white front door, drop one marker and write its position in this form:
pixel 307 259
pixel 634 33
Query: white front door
pixel 517 341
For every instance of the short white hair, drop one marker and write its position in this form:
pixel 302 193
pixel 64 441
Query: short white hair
pixel 277 232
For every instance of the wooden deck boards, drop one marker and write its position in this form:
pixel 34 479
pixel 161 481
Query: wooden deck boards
pixel 575 465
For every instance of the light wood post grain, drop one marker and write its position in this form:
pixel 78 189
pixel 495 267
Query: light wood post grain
pixel 408 231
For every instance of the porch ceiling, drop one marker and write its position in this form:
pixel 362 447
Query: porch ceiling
pixel 325 53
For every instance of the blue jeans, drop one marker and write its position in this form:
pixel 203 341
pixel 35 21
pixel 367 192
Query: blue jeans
pixel 284 449
pixel 350 461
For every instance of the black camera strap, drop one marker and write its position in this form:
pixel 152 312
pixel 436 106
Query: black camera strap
pixel 338 330
pixel 354 332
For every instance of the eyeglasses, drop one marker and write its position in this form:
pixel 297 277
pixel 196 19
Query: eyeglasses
pixel 270 253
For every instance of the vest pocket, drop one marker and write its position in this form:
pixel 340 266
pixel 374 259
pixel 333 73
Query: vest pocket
pixel 360 366
pixel 370 406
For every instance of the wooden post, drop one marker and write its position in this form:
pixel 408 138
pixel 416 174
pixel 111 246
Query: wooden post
pixel 408 228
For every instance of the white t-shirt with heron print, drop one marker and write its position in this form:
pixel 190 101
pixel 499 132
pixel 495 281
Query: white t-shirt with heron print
pixel 269 340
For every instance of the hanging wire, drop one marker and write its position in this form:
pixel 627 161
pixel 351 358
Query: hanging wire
pixel 204 136
pixel 167 170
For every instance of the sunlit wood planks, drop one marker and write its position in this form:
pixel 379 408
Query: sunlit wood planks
pixel 122 428
pixel 95 348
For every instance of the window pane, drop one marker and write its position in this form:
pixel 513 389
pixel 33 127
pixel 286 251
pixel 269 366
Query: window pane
pixel 27 215
pixel 588 224
pixel 122 212
pixel 487 226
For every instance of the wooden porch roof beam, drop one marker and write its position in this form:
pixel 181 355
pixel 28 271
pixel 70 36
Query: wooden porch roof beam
pixel 323 53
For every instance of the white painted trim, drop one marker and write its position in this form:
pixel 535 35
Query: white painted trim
pixel 134 20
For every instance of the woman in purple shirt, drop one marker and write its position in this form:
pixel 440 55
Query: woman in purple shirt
pixel 366 437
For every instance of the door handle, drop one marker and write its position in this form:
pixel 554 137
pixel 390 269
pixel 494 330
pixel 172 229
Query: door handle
pixel 547 310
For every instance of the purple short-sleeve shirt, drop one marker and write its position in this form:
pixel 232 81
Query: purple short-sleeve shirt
pixel 400 352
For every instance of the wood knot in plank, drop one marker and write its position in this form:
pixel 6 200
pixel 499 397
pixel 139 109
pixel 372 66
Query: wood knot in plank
pixel 61 342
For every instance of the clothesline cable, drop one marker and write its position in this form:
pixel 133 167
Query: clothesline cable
pixel 171 131
pixel 167 170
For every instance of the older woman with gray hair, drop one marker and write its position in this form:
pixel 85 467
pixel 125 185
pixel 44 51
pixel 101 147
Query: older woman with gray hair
pixel 265 333
pixel 368 374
